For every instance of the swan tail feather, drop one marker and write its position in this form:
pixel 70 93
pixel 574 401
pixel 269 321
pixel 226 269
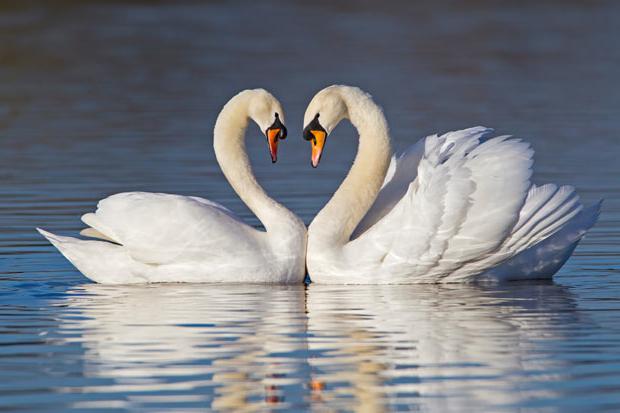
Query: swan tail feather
pixel 100 261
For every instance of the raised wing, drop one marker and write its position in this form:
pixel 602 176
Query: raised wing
pixel 403 170
pixel 548 210
pixel 461 206
pixel 163 228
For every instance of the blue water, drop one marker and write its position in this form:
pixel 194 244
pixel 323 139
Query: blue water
pixel 104 97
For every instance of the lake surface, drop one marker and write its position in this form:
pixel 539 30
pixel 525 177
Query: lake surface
pixel 99 98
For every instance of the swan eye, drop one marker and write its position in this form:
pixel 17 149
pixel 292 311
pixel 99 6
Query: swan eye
pixel 277 130
pixel 312 128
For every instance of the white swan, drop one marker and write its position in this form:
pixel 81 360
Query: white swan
pixel 150 237
pixel 453 208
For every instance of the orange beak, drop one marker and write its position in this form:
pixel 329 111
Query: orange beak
pixel 318 143
pixel 272 137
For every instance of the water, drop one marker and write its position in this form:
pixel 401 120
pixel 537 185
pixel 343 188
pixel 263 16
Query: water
pixel 98 98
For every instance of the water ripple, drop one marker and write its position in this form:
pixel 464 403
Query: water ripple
pixel 104 97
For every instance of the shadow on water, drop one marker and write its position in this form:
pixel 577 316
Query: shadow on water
pixel 243 348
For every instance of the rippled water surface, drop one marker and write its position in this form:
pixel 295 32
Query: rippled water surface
pixel 104 97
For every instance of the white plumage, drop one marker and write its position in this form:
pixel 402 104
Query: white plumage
pixel 149 237
pixel 458 207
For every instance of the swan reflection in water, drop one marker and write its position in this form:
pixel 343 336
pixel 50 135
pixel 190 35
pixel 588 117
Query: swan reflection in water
pixel 221 346
pixel 447 348
pixel 367 348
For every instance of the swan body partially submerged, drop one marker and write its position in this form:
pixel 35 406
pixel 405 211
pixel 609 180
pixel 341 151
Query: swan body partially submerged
pixel 459 207
pixel 150 237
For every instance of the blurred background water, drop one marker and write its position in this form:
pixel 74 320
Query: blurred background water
pixel 103 97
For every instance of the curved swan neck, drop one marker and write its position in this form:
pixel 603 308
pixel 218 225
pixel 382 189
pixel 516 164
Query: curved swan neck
pixel 338 219
pixel 230 151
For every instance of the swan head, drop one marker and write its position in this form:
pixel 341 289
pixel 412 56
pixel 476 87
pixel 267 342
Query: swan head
pixel 266 111
pixel 326 109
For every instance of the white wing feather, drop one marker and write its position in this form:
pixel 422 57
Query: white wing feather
pixel 456 205
pixel 164 228
pixel 401 172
